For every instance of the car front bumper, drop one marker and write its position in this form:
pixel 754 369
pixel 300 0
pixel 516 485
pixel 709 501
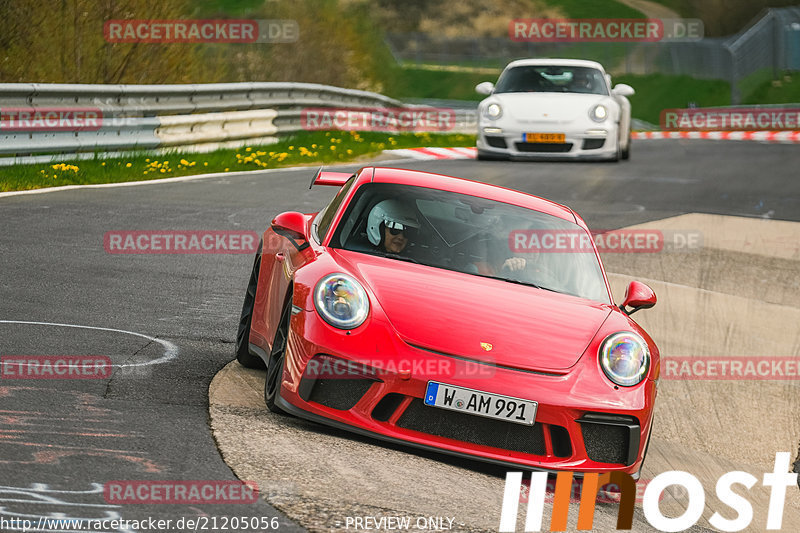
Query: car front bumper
pixel 382 397
pixel 581 142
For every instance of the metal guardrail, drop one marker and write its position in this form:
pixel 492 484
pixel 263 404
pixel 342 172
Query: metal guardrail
pixel 198 117
pixel 154 100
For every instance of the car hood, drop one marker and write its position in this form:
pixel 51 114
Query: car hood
pixel 453 313
pixel 548 107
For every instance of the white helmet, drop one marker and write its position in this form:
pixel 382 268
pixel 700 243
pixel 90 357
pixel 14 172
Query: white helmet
pixel 393 213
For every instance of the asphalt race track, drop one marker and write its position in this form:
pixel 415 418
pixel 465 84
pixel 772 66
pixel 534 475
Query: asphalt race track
pixel 168 323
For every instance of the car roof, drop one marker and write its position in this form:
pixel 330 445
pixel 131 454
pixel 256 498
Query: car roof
pixel 556 62
pixel 469 187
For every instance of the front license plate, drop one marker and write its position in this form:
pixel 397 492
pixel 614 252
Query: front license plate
pixel 480 403
pixel 544 137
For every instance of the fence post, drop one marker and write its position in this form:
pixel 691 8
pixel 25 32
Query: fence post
pixel 735 96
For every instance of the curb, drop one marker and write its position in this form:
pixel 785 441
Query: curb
pixel 763 136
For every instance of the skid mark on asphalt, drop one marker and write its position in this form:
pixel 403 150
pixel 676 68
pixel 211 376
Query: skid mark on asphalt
pixel 75 427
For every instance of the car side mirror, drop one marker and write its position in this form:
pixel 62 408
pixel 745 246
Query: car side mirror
pixel 638 296
pixel 623 90
pixel 291 225
pixel 484 88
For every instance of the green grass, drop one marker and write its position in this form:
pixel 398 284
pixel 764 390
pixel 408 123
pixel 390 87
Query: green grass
pixel 763 90
pixel 307 148
pixel 784 91
pixel 423 83
pixel 596 9
pixel 655 92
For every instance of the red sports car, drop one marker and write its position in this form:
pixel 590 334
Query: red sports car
pixel 429 310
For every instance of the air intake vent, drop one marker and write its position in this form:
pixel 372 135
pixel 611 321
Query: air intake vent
pixel 474 429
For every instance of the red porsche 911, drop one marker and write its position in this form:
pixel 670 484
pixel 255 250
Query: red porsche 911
pixel 426 309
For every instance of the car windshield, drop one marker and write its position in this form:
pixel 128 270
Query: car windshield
pixel 472 235
pixel 551 79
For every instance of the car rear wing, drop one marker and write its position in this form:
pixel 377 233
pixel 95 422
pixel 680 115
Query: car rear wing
pixel 336 179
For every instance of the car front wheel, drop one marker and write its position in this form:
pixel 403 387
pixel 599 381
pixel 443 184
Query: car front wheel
pixel 277 358
pixel 626 153
pixel 243 355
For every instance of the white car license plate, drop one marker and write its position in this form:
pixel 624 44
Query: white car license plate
pixel 481 403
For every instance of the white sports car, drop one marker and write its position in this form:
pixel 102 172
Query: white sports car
pixel 554 108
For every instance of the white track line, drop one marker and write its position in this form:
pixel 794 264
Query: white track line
pixel 170 350
pixel 178 179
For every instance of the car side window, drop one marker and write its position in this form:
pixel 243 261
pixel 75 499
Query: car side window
pixel 327 217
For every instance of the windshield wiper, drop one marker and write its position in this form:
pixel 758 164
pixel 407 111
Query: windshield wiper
pixel 518 282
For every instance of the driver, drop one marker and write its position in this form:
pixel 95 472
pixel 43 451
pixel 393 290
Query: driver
pixel 391 225
pixel 582 82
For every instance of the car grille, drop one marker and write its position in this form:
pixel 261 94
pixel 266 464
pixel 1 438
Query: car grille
pixel 387 406
pixel 473 429
pixel 334 382
pixel 610 438
pixel 496 142
pixel 339 393
pixel 593 144
pixel 544 147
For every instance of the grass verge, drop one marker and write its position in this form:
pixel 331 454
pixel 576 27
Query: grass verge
pixel 785 90
pixel 656 92
pixel 306 148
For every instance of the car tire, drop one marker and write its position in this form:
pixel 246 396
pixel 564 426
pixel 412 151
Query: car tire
pixel 626 153
pixel 243 355
pixel 277 359
pixel 614 158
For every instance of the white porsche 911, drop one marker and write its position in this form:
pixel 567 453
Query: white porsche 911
pixel 554 108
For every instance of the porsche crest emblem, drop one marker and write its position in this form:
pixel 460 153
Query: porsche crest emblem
pixel 487 347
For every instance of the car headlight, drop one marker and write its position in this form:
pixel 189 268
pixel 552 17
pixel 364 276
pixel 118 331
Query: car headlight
pixel 494 111
pixel 341 301
pixel 599 113
pixel 625 358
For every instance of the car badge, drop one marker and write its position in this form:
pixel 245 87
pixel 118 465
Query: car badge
pixel 487 347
